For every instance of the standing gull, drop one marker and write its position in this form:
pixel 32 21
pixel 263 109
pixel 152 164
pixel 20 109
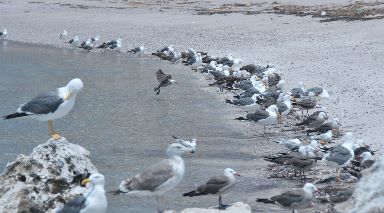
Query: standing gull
pixel 306 102
pixel 137 50
pixel 160 177
pixel 263 117
pixel 51 105
pixel 164 80
pixel 93 201
pixel 294 199
pixel 75 41
pixel 63 34
pixel 217 185
pixel 340 156
pixel 313 121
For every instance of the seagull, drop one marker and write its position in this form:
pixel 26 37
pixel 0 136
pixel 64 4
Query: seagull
pixel 318 91
pixel 160 177
pixel 244 101
pixel 95 39
pixel 285 107
pixel 263 117
pixel 51 105
pixel 293 199
pixel 306 102
pixel 291 144
pixel 191 143
pixel 86 44
pixel 324 138
pixel 301 164
pixel 341 155
pixel 75 41
pixel 313 121
pixel 334 126
pixel 217 185
pixel 93 201
pixel 4 33
pixel 367 160
pixel 298 91
pixel 137 50
pixel 112 43
pixel 63 34
pixel 164 80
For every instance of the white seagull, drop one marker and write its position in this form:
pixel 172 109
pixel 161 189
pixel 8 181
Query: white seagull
pixel 159 178
pixel 63 34
pixel 49 106
pixel 217 185
pixel 93 201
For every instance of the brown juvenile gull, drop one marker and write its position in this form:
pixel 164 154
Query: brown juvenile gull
pixel 306 102
pixel 341 155
pixel 313 121
pixel 51 105
pixel 217 185
pixel 294 199
pixel 93 201
pixel 164 80
pixel 334 126
pixel 159 178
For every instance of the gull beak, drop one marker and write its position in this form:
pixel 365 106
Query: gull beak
pixel 85 181
pixel 237 174
pixel 67 96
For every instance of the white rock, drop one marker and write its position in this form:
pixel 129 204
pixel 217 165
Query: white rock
pixel 237 207
pixel 43 180
pixel 369 192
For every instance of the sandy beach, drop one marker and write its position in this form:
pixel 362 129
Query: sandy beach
pixel 343 56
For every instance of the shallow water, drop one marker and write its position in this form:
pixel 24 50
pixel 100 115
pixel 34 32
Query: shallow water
pixel 126 127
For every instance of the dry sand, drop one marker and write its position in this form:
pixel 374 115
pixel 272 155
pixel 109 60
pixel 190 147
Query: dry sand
pixel 344 57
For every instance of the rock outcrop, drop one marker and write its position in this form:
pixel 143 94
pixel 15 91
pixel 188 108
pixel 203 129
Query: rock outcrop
pixel 368 195
pixel 43 180
pixel 237 207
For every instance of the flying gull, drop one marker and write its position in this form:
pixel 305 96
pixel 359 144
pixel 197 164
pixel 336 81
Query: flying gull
pixel 341 155
pixel 160 177
pixel 294 199
pixel 263 117
pixel 217 185
pixel 4 33
pixel 51 105
pixel 164 80
pixel 93 201
pixel 63 34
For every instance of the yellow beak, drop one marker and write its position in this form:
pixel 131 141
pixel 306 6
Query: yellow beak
pixel 85 181
pixel 66 97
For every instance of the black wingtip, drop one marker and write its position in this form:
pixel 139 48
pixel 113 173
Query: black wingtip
pixel 14 115
pixel 241 119
pixel 263 200
pixel 116 192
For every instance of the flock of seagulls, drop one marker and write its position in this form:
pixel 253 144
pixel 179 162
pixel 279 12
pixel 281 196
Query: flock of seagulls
pixel 252 85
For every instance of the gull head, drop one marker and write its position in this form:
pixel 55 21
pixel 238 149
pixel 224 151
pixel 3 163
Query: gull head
pixel 322 115
pixel 309 187
pixel 75 85
pixel 94 179
pixel 230 172
pixel 273 108
pixel 301 85
pixel 177 149
pixel 119 40
pixel 366 156
pixel 5 32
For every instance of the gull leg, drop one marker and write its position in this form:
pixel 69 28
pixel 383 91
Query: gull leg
pixel 158 204
pixel 338 179
pixel 53 134
pixel 221 205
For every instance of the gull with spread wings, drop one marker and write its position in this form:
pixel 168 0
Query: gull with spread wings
pixel 164 80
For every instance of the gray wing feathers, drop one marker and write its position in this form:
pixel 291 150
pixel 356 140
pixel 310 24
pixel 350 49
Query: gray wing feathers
pixel 43 104
pixel 214 185
pixel 73 206
pixel 152 177
pixel 339 155
pixel 259 115
pixel 289 198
